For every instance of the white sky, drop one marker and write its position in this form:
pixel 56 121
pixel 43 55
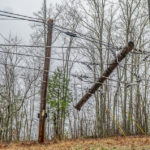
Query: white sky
pixel 25 7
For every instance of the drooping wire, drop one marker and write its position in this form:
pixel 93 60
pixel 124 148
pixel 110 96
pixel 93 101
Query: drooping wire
pixel 83 36
pixel 59 28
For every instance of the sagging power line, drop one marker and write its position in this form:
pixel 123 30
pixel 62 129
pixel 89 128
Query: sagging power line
pixel 57 27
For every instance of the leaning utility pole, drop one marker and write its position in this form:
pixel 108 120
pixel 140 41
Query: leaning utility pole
pixel 105 75
pixel 44 84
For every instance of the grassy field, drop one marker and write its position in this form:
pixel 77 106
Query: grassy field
pixel 115 143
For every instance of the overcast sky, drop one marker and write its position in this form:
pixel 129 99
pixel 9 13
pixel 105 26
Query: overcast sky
pixel 25 7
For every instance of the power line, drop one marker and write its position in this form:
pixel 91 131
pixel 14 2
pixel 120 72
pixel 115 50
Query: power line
pixel 21 54
pixel 91 39
pixel 21 18
pixel 83 36
pixel 77 76
pixel 59 59
pixel 118 81
pixel 69 33
pixel 40 46
pixel 16 14
pixel 3 19
pixel 74 75
pixel 19 45
pixel 81 77
pixel 74 61
pixel 23 67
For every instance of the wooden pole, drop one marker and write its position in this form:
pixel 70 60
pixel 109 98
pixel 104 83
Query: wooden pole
pixel 105 75
pixel 149 8
pixel 45 83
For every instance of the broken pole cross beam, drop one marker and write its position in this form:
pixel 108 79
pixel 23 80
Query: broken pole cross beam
pixel 105 75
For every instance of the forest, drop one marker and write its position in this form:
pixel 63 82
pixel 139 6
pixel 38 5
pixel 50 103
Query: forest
pixel 87 35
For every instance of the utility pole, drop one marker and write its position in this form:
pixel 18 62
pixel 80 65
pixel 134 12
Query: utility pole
pixel 105 75
pixel 44 25
pixel 149 8
pixel 42 115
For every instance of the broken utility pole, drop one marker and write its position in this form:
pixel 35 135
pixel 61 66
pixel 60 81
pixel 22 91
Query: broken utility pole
pixel 105 75
pixel 44 84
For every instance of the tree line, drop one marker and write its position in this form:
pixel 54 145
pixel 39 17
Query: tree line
pixel 103 28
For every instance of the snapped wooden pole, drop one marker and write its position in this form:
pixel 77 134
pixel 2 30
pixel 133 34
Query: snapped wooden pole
pixel 105 75
pixel 42 115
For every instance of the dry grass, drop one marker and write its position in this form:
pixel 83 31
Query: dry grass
pixel 115 143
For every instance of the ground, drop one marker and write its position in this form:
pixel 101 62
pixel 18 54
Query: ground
pixel 114 143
